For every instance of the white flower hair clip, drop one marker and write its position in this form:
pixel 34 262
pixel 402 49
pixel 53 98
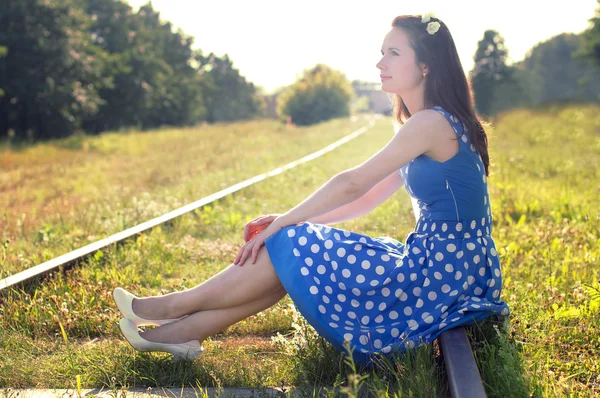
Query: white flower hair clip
pixel 432 26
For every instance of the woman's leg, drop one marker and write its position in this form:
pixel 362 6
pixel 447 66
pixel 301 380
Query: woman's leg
pixel 233 286
pixel 201 324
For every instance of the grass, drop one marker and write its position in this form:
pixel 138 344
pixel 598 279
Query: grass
pixel 544 195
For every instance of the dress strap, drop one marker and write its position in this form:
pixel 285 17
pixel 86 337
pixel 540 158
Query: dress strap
pixel 456 124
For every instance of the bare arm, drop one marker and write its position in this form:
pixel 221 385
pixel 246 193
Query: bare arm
pixel 378 194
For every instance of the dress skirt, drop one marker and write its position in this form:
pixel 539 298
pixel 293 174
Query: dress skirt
pixel 384 296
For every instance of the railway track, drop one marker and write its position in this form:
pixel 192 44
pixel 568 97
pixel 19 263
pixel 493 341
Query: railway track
pixel 463 375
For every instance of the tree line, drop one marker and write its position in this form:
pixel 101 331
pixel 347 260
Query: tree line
pixel 96 65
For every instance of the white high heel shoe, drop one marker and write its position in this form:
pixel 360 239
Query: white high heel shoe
pixel 124 301
pixel 189 350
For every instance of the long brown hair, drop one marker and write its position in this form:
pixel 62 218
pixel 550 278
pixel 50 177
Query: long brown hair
pixel 446 84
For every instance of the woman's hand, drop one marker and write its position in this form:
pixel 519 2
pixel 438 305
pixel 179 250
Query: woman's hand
pixel 250 248
pixel 258 221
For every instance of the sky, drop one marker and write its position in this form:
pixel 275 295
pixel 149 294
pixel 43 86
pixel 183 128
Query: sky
pixel 271 43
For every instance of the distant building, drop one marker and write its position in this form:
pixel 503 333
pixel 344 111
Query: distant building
pixel 379 101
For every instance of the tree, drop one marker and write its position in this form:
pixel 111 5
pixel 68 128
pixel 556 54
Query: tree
pixel 51 73
pixel 590 46
pixel 490 69
pixel 319 95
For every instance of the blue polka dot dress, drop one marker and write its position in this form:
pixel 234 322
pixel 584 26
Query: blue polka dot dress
pixel 382 295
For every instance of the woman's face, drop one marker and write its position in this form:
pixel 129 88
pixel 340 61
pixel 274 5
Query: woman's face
pixel 399 64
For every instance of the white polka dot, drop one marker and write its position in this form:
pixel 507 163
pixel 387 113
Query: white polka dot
pixel 476 259
pixel 477 291
pixel 346 234
pixel 314 248
pixel 302 241
pixel 337 307
pixel 369 305
pixel 449 268
pixel 314 290
pixel 374 282
pixel 333 324
pixel 304 271
pixel 291 233
pixel 412 324
pixel 445 288
pixel 308 261
pixel 351 259
pixel 458 275
pixel 432 296
pixel 334 265
pixel 363 339
pixel 337 236
pixel 379 319
pixel 419 303
pixel 381 307
pixel 341 298
pixel 354 303
pixel 365 320
pixel 321 269
pixel 365 264
pixel 322 309
pixel 459 227
pixel 497 272
pixel 496 293
pixel 413 277
pixel 454 293
pixel 377 343
pixel 428 319
pixel 393 315
pixel 417 291
pixel 351 315
pixel 346 273
pixel 416 250
pixel 328 244
pixel 408 311
pixel 371 252
pixel 470 279
pixel 379 270
pixel 385 292
pixel 296 252
pixel 360 278
pixel 459 254
pixel 385 257
pixel 471 246
pixel 342 286
pixel 451 247
pixel 341 252
pixel 326 299
pixel 439 256
pixel 482 271
pixel 326 256
pixel 356 291
pixel 493 251
pixel 426 282
pixel 395 332
pixel 437 275
pixel 348 336
pixel 400 277
pixel 328 289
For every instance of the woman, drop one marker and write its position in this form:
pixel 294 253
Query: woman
pixel 377 293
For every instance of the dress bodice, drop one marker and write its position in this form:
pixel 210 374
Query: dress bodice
pixel 452 190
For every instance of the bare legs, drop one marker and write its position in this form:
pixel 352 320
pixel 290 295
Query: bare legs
pixel 201 324
pixel 226 298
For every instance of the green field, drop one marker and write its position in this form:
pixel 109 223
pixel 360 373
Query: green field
pixel 58 196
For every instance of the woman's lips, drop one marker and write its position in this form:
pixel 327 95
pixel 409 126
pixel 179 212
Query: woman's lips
pixel 385 78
